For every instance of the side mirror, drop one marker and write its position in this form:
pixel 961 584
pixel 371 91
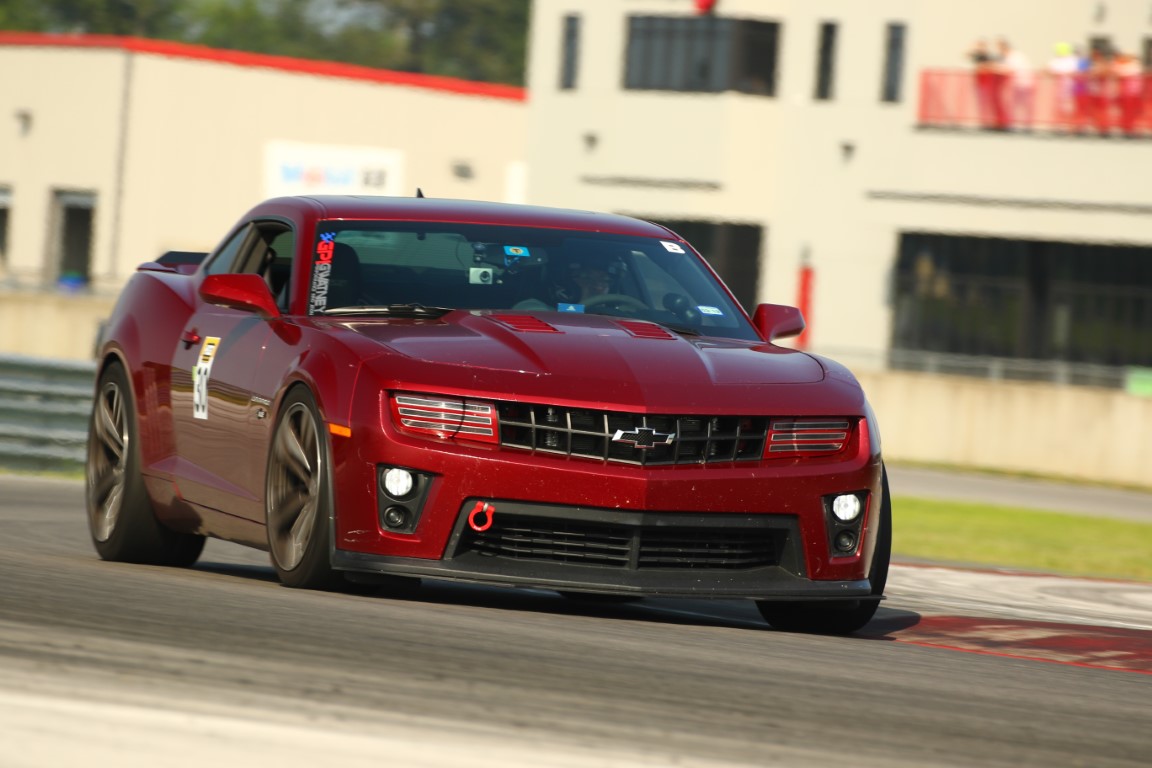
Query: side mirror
pixel 248 293
pixel 778 321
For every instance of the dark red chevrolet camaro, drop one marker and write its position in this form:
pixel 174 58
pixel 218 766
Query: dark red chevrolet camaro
pixel 372 388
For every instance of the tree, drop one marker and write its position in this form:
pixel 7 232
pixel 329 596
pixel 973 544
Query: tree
pixel 473 39
pixel 140 18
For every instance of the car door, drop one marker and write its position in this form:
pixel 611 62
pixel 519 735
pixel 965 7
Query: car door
pixel 220 422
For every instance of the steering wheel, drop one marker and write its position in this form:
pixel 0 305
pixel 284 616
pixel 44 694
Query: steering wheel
pixel 620 300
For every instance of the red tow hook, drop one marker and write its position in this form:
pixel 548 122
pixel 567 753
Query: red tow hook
pixel 480 518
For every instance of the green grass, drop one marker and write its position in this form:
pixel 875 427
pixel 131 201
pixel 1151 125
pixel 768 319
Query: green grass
pixel 1026 539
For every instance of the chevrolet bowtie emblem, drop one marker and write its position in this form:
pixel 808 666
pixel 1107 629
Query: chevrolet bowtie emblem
pixel 643 438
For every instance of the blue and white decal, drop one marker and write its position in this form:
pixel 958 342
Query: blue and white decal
pixel 514 253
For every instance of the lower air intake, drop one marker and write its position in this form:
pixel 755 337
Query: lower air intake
pixel 522 537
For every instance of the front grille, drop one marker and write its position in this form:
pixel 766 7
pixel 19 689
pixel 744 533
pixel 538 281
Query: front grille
pixel 637 547
pixel 632 438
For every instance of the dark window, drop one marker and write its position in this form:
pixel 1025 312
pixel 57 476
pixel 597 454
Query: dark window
pixel 570 52
pixel 225 257
pixel 701 54
pixel 5 202
pixel 1147 57
pixel 733 250
pixel 73 222
pixel 1029 299
pixel 893 77
pixel 1100 44
pixel 826 61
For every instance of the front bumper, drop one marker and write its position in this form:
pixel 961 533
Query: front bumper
pixel 614 551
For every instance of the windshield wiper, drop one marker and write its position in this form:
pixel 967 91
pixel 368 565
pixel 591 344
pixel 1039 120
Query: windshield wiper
pixel 392 310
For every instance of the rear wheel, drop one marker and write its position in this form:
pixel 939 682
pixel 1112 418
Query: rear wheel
pixel 121 521
pixel 839 618
pixel 297 497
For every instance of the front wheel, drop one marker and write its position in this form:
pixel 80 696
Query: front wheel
pixel 840 618
pixel 297 497
pixel 121 521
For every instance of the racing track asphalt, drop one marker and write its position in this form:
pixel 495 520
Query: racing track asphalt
pixel 106 663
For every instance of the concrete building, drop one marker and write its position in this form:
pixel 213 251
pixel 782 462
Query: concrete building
pixel 830 153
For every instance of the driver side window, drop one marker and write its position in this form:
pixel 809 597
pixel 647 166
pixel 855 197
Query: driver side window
pixel 225 257
pixel 260 248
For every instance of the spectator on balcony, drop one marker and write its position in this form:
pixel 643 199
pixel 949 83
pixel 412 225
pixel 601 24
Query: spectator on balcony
pixel 989 107
pixel 1102 94
pixel 1017 85
pixel 1067 69
pixel 1129 89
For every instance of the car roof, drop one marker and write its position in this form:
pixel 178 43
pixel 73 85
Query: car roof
pixel 368 207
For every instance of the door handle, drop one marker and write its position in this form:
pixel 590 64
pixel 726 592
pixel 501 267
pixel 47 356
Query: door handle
pixel 189 338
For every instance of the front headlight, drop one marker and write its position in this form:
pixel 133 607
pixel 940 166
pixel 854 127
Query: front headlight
pixel 449 418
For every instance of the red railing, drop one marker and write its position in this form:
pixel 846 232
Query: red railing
pixel 1083 104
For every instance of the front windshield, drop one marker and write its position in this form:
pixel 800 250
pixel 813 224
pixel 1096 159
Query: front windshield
pixel 389 265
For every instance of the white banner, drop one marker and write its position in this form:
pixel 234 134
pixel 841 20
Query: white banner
pixel 292 168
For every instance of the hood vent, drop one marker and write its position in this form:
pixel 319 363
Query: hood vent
pixel 644 330
pixel 525 323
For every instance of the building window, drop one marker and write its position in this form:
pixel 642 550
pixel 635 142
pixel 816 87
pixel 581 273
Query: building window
pixel 73 216
pixel 1027 299
pixel 826 61
pixel 733 250
pixel 893 77
pixel 701 54
pixel 5 204
pixel 570 52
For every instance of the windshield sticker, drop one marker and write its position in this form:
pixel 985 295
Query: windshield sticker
pixel 569 307
pixel 514 254
pixel 321 270
pixel 706 310
pixel 672 247
pixel 200 375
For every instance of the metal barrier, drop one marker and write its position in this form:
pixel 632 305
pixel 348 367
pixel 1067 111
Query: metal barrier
pixel 44 409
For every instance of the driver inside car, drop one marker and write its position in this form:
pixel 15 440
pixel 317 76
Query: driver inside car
pixel 593 279
pixel 592 275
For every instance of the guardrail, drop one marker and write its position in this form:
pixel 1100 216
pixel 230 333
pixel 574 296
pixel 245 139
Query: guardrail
pixel 44 408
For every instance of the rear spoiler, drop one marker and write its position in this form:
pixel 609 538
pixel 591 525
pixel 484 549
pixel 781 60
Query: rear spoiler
pixel 183 262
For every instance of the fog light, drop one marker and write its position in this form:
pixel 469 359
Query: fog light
pixel 845 541
pixel 846 507
pixel 398 482
pixel 395 517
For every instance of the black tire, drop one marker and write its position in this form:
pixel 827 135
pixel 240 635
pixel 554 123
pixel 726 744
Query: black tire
pixel 840 617
pixel 121 521
pixel 297 497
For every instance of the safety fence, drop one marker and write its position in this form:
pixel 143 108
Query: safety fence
pixel 1073 104
pixel 44 409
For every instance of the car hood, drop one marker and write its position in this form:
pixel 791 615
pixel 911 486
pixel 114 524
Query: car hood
pixel 596 360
